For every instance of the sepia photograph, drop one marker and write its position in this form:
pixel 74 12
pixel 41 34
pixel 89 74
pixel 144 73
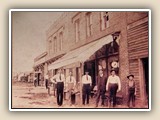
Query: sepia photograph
pixel 79 59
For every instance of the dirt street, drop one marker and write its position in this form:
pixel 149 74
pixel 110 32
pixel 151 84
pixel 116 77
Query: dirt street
pixel 25 95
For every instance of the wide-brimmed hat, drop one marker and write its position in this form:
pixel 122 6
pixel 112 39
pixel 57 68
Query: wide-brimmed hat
pixel 112 70
pixel 86 71
pixel 130 75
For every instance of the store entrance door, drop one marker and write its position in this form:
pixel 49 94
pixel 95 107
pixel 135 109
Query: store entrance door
pixel 146 77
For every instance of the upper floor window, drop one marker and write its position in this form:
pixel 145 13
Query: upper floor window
pixel 89 23
pixel 76 22
pixel 50 46
pixel 55 44
pixel 60 40
pixel 52 43
pixel 77 30
pixel 104 20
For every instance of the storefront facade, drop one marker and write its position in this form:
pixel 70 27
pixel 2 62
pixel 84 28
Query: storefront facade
pixel 40 68
pixel 95 40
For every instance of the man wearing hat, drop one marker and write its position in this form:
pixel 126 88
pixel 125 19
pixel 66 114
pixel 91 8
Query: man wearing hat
pixel 113 86
pixel 86 86
pixel 131 90
pixel 101 81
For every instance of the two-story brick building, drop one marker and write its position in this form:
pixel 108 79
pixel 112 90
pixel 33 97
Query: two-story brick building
pixel 94 40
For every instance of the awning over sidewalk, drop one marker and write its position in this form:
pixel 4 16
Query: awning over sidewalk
pixel 81 54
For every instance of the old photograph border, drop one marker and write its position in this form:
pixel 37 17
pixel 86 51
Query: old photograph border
pixel 75 109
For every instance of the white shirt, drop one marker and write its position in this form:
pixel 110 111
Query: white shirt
pixel 57 78
pixel 70 79
pixel 85 81
pixel 114 79
pixel 46 77
pixel 70 82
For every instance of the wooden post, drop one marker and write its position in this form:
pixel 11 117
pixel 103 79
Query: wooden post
pixel 45 69
pixel 96 70
pixel 81 73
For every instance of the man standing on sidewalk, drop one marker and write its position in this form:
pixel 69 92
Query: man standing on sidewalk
pixel 113 86
pixel 59 78
pixel 46 80
pixel 70 85
pixel 86 87
pixel 35 81
pixel 101 87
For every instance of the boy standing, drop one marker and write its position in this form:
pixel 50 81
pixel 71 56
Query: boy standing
pixel 131 90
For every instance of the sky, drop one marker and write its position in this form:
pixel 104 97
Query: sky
pixel 29 37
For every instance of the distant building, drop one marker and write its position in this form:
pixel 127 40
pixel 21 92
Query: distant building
pixel 29 76
pixel 95 40
pixel 20 75
pixel 39 69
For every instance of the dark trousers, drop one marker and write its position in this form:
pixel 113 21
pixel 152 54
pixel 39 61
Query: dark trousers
pixel 100 93
pixel 60 88
pixel 131 96
pixel 85 93
pixel 112 93
pixel 35 83
pixel 47 83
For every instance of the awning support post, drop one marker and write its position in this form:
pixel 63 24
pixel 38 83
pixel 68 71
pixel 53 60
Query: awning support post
pixel 81 73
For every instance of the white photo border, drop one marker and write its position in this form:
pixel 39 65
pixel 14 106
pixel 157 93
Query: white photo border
pixel 74 109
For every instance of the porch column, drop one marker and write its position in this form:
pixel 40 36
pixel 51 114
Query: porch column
pixel 45 69
pixel 81 73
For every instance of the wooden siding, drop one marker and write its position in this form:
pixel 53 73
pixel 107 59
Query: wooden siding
pixel 138 41
pixel 137 48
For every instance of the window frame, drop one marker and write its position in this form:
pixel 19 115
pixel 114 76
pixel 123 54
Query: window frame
pixel 104 24
pixel 77 30
pixel 60 40
pixel 89 24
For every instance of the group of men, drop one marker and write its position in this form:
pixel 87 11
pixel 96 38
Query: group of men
pixel 112 84
pixel 60 82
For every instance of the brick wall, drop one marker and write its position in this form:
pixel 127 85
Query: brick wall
pixel 118 21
